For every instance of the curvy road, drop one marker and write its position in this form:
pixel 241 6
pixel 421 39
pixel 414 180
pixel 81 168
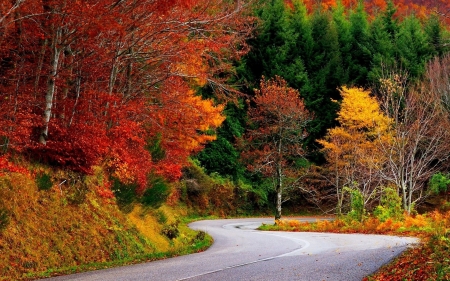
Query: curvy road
pixel 240 252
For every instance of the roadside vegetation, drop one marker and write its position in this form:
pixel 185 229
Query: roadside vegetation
pixel 49 229
pixel 426 261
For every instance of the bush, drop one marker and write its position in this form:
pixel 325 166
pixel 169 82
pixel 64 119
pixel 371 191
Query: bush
pixel 43 181
pixel 125 194
pixel 201 235
pixel 156 194
pixel 357 211
pixel 171 231
pixel 4 218
pixel 390 205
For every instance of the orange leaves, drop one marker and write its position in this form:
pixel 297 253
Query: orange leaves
pixel 186 121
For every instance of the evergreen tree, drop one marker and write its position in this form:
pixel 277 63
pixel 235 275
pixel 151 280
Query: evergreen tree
pixel 413 47
pixel 299 43
pixel 382 47
pixel 325 72
pixel 345 39
pixel 435 33
pixel 268 55
pixel 221 156
pixel 360 46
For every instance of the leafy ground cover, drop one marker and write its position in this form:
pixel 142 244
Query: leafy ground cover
pixel 427 261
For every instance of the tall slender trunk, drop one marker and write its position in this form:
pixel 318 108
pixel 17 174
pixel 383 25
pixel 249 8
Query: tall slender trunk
pixel 51 85
pixel 279 187
pixel 279 191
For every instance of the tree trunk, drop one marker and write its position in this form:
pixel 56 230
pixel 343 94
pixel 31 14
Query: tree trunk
pixel 51 86
pixel 279 190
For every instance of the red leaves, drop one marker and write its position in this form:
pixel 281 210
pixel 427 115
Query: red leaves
pixel 106 76
pixel 6 166
pixel 280 118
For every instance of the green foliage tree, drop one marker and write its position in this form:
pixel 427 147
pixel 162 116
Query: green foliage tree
pixel 360 47
pixel 413 48
pixel 221 156
pixel 325 71
pixel 435 35
pixel 268 54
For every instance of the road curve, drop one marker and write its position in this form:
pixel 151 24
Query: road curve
pixel 240 252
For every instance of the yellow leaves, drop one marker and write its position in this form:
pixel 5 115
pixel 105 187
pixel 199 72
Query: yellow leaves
pixel 360 111
pixel 362 132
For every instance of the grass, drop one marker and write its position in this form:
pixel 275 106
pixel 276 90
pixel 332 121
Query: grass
pixel 45 232
pixel 428 261
pixel 195 247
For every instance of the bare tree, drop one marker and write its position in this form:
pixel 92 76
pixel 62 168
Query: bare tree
pixel 419 144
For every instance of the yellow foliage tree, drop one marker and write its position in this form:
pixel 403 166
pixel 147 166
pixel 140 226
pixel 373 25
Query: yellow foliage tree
pixel 352 149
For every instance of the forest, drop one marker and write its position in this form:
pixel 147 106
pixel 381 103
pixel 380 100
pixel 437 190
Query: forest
pixel 227 108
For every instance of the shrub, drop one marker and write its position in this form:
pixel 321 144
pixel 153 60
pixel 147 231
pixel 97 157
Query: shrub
pixel 125 194
pixel 357 211
pixel 43 181
pixel 390 205
pixel 171 231
pixel 201 235
pixel 4 218
pixel 439 183
pixel 156 194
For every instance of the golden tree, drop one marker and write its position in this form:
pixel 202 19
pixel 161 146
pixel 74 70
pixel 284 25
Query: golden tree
pixel 352 149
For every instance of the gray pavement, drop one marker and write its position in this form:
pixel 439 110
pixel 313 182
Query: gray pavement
pixel 240 252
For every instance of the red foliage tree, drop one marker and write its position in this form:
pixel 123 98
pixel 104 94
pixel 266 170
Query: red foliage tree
pixel 279 118
pixel 93 80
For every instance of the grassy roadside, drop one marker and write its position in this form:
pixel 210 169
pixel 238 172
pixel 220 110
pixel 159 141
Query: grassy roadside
pixel 49 230
pixel 199 243
pixel 428 261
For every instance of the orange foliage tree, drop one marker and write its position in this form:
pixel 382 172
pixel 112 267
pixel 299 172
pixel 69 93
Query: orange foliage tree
pixel 275 141
pixel 86 81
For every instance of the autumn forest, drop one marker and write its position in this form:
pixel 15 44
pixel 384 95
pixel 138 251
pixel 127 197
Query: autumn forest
pixel 225 108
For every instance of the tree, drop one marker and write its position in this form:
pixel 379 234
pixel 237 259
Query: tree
pixel 324 68
pixel 420 130
pixel 352 149
pixel 275 139
pixel 91 82
pixel 413 46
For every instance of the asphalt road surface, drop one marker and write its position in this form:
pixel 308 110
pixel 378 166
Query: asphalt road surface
pixel 240 252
